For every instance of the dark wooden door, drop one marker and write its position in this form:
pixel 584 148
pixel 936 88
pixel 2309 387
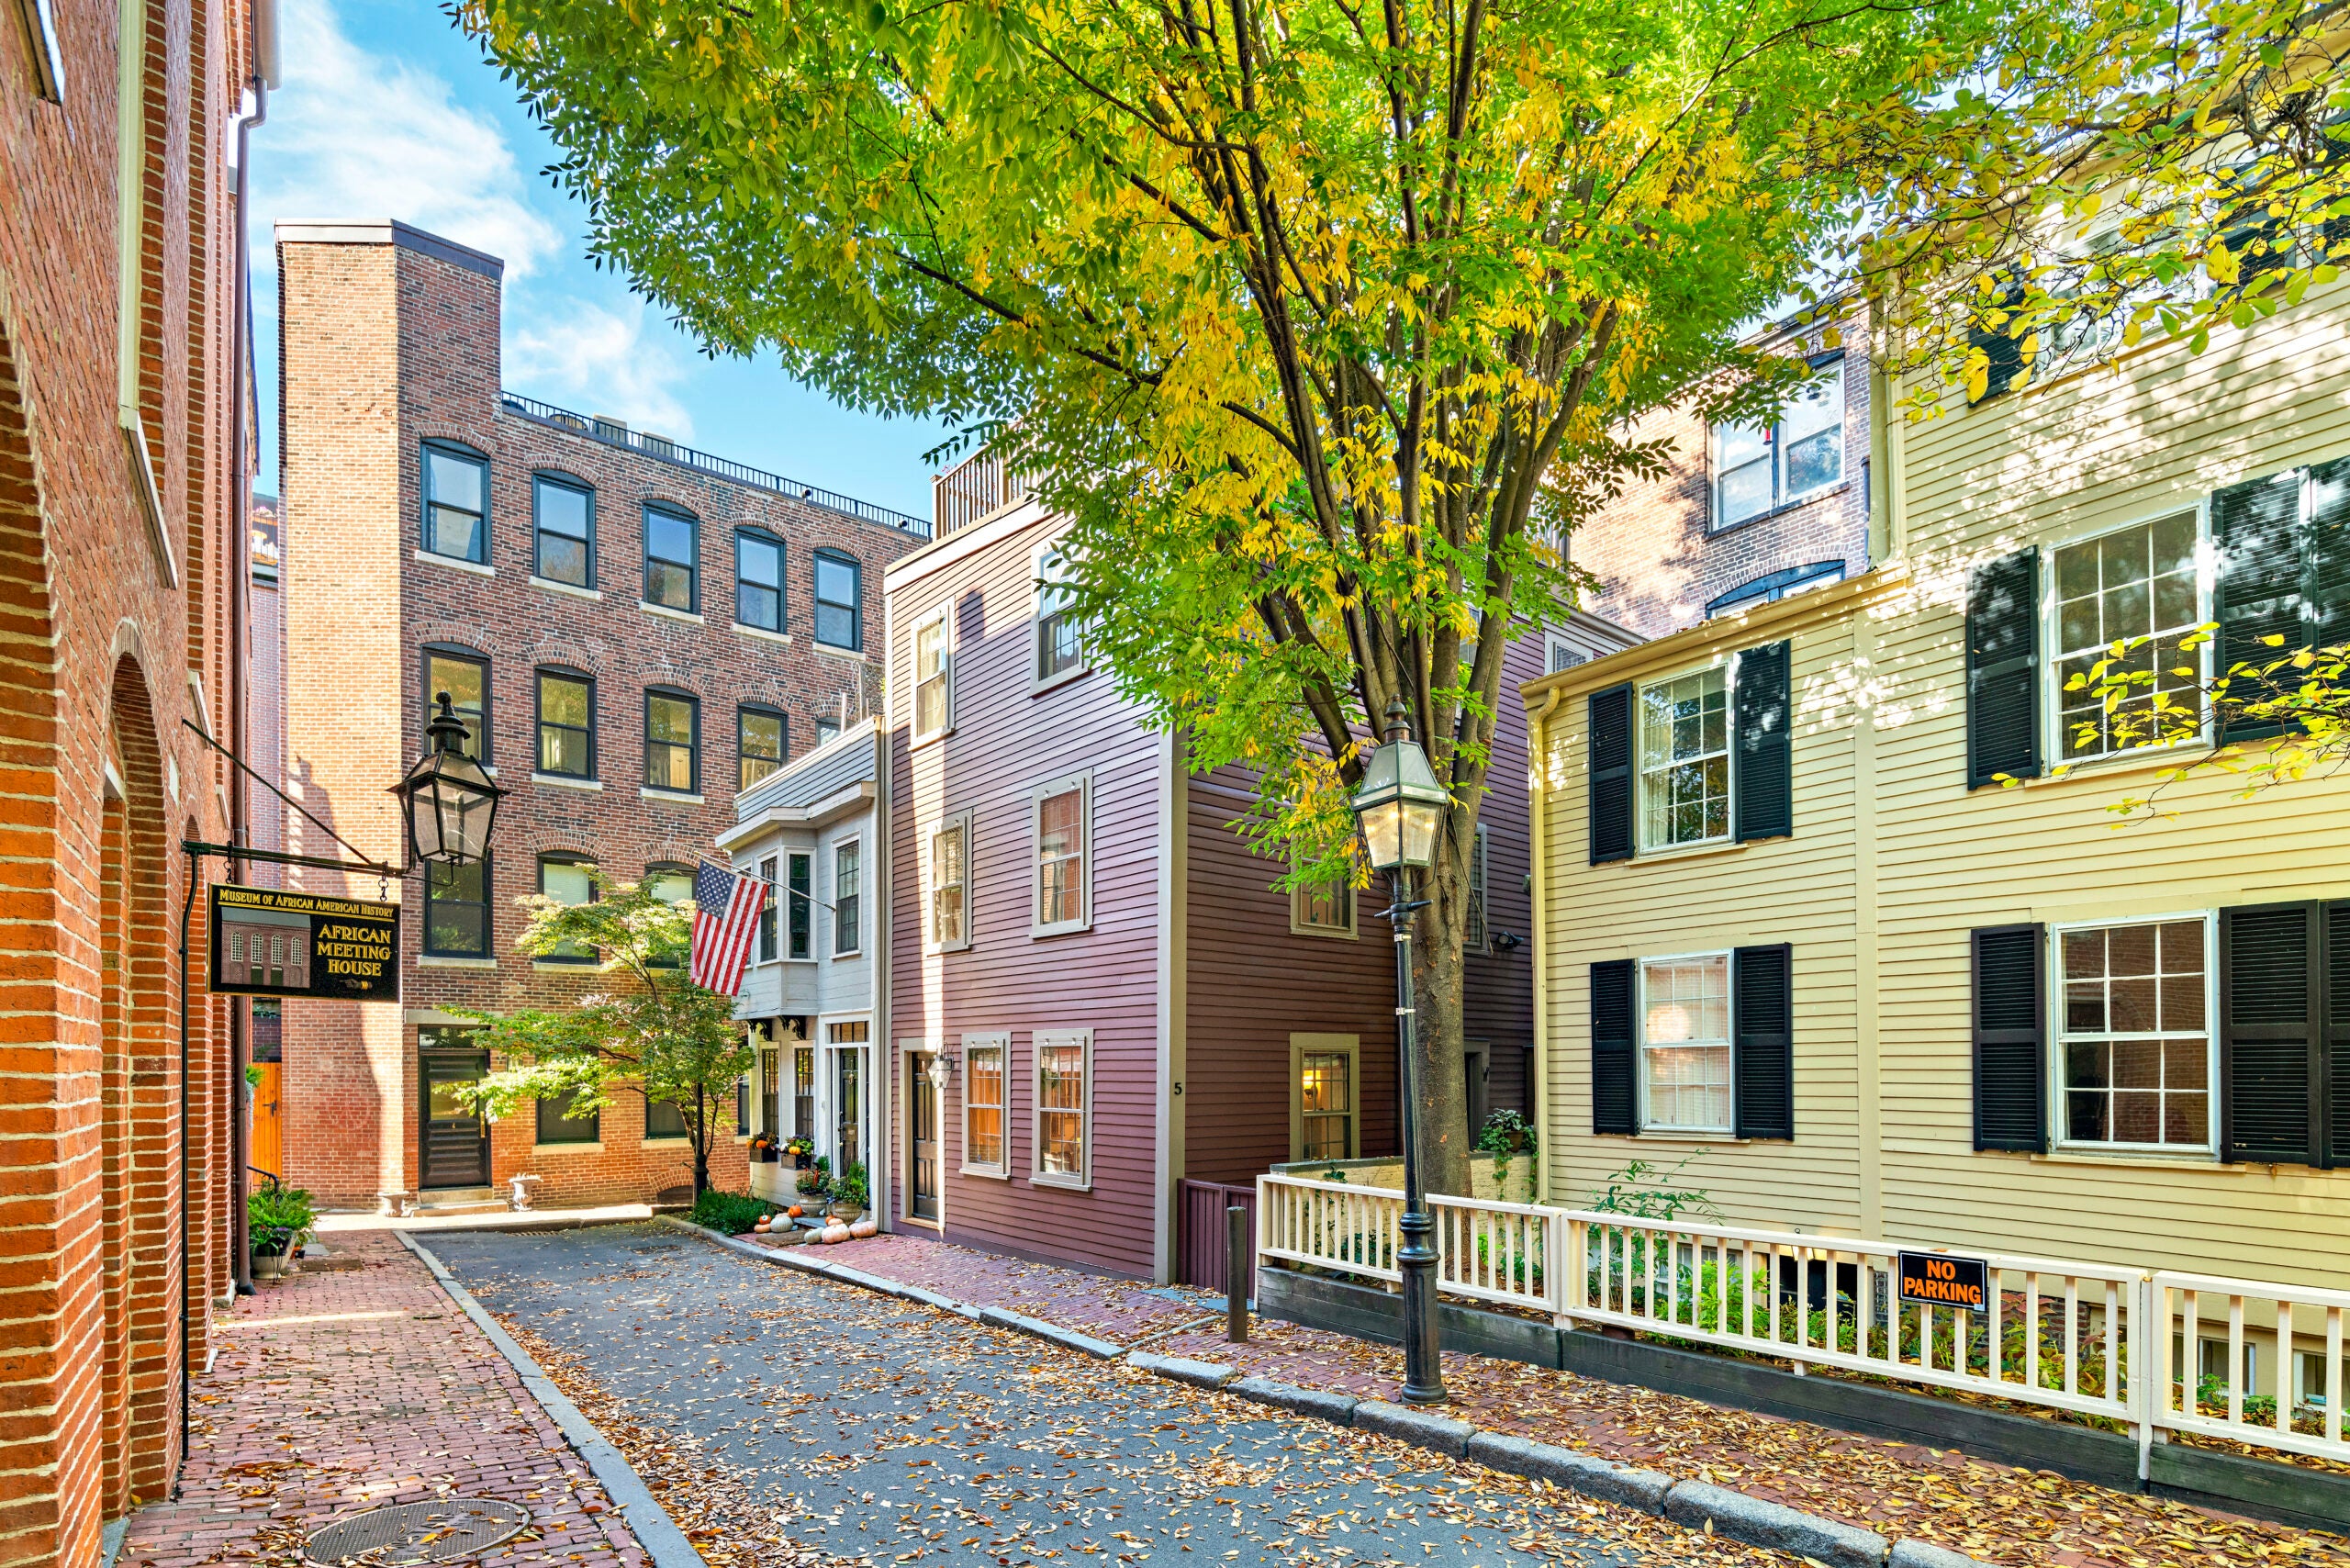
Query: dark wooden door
pixel 455 1141
pixel 922 1139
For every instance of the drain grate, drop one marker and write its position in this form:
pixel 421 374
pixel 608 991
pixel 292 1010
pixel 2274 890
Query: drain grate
pixel 413 1533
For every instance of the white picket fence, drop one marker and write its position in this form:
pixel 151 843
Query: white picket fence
pixel 2124 1344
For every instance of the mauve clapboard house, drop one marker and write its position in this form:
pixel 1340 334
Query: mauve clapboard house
pixel 1101 1015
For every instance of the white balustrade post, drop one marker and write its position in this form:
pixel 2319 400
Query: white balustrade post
pixel 2142 1405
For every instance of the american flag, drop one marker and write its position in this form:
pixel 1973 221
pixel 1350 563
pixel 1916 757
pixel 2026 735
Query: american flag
pixel 726 917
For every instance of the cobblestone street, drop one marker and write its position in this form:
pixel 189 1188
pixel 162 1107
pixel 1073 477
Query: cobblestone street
pixel 360 1385
pixel 785 1418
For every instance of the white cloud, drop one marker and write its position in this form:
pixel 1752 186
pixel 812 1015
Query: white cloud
pixel 356 135
pixel 599 362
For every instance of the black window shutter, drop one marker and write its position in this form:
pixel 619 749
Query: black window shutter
pixel 2010 1039
pixel 2336 1120
pixel 2272 1058
pixel 1611 774
pixel 2004 351
pixel 2003 670
pixel 1762 776
pixel 1762 1053
pixel 1614 1105
pixel 2256 528
pixel 2328 589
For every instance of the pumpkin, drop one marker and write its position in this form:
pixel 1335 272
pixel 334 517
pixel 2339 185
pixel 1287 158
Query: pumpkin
pixel 863 1228
pixel 793 1212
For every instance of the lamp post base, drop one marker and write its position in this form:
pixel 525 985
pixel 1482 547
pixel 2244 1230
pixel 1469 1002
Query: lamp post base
pixel 1423 1352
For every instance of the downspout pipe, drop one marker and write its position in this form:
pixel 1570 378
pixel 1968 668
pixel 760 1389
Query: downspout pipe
pixel 239 703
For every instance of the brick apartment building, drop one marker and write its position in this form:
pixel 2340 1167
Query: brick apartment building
pixel 631 631
pixel 1744 514
pixel 118 552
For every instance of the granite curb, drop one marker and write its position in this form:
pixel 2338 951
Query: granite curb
pixel 639 1510
pixel 1698 1504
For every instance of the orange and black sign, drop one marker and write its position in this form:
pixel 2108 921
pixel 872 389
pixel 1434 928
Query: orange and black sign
pixel 267 942
pixel 1937 1278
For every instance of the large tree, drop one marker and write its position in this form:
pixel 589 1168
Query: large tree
pixel 652 1033
pixel 1323 321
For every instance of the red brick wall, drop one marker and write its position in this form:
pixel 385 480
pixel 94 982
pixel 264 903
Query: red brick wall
pixel 389 341
pixel 99 632
pixel 1656 558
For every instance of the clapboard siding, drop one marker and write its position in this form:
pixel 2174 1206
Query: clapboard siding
pixel 1252 982
pixel 1881 740
pixel 1005 741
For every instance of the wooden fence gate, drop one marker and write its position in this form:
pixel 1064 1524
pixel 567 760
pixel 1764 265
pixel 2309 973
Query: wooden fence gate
pixel 1199 1238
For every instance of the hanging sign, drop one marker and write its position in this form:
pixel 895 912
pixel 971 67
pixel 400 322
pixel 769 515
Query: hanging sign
pixel 268 943
pixel 1937 1278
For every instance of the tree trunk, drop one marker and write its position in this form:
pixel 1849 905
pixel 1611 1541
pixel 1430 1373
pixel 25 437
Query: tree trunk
pixel 701 1144
pixel 1438 992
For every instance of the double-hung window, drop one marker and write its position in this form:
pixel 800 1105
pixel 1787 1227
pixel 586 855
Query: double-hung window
pixel 933 677
pixel 563 523
pixel 1062 824
pixel 672 742
pixel 984 1077
pixel 1760 467
pixel 566 725
pixel 847 921
pixel 800 868
pixel 568 880
pixel 803 1091
pixel 1685 759
pixel 767 946
pixel 2135 1045
pixel 840 605
pixel 2137 582
pixel 456 910
pixel 759 746
pixel 671 558
pixel 948 867
pixel 1684 1081
pixel 1063 1108
pixel 673 885
pixel 1058 649
pixel 1322 909
pixel 558 1124
pixel 1323 1096
pixel 456 503
pixel 758 579
pixel 465 677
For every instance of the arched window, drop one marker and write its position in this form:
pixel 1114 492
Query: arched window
pixel 840 600
pixel 563 527
pixel 463 673
pixel 672 742
pixel 758 579
pixel 456 501
pixel 672 558
pixel 566 724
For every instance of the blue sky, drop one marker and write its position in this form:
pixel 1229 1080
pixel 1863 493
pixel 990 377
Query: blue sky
pixel 387 111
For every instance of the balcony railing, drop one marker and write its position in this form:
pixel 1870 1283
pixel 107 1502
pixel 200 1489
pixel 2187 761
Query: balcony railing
pixel 612 433
pixel 975 490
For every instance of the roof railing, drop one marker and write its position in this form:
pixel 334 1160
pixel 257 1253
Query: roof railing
pixel 974 491
pixel 612 432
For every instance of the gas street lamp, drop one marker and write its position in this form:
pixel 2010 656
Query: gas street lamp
pixel 1401 808
pixel 448 798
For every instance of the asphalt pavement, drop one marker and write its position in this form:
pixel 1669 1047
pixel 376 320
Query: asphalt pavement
pixel 854 1426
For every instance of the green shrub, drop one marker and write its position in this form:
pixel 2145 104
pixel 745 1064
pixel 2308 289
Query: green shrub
pixel 730 1214
pixel 279 1219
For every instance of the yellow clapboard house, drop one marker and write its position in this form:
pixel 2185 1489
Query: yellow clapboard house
pixel 1794 939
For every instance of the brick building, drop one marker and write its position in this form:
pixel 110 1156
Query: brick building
pixel 1744 514
pixel 631 630
pixel 118 287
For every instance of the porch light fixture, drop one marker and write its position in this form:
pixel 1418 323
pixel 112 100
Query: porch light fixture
pixel 449 798
pixel 1400 805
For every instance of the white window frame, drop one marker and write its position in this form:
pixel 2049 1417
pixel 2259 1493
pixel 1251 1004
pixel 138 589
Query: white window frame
pixel 943 622
pixel 827 1074
pixel 2052 640
pixel 1727 665
pixel 1300 925
pixel 1000 1041
pixel 783 940
pixel 833 922
pixel 1040 1042
pixel 1302 1046
pixel 959 824
pixel 1649 1127
pixel 2058 1036
pixel 1553 645
pixel 1037 589
pixel 1083 784
pixel 1777 442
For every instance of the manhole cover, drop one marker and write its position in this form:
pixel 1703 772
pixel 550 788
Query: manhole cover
pixel 441 1531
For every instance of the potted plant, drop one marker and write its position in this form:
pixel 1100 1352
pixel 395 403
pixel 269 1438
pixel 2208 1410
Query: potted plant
pixel 763 1150
pixel 849 1197
pixel 277 1219
pixel 816 1181
pixel 801 1149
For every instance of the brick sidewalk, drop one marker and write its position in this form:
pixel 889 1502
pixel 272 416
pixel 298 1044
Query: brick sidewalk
pixel 340 1391
pixel 1989 1511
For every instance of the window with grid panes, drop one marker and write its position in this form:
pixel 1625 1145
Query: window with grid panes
pixel 1326 1101
pixel 1685 1044
pixel 983 1106
pixel 848 924
pixel 2132 583
pixel 1060 857
pixel 1685 759
pixel 2135 1046
pixel 1061 1107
